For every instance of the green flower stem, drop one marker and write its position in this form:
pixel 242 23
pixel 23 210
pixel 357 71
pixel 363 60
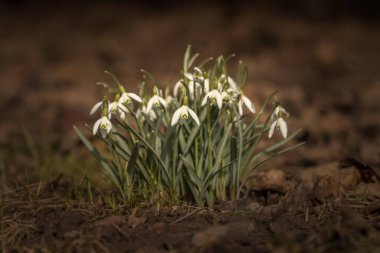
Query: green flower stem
pixel 128 127
pixel 196 142
pixel 209 142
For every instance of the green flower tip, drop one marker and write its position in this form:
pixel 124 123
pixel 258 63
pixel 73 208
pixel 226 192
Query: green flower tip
pixel 121 88
pixel 155 90
pixel 185 101
pixel 105 107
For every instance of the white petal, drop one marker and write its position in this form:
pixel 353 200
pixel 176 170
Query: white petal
pixel 122 115
pixel 232 83
pixel 112 106
pixel 162 101
pixel 123 97
pixel 207 85
pixel 150 105
pixel 196 69
pixel 204 101
pixel 191 89
pixel 248 104
pixel 271 130
pixel 96 126
pixel 108 125
pixel 134 96
pixel 219 100
pixel 283 127
pixel 122 108
pixel 193 115
pixel 189 76
pixel 176 87
pixel 240 107
pixel 152 115
pixel 96 107
pixel 176 116
pixel 103 132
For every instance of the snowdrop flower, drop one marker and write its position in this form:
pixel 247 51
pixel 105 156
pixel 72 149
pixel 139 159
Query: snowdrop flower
pixel 155 101
pixel 151 114
pixel 278 112
pixel 228 96
pixel 281 125
pixel 169 99
pixel 223 80
pixel 103 125
pixel 126 97
pixel 194 84
pixel 244 100
pixel 97 106
pixel 117 107
pixel 182 114
pixel 279 122
pixel 215 97
pixel 232 83
pixel 177 85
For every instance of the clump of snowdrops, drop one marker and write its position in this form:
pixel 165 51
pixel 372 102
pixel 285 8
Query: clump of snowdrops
pixel 197 141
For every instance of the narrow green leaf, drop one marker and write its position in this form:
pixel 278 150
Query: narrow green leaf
pixel 131 167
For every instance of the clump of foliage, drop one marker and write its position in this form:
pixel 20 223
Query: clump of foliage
pixel 198 142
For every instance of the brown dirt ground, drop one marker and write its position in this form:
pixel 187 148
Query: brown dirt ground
pixel 321 198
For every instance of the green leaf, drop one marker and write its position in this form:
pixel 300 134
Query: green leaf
pixel 246 178
pixel 186 58
pixel 191 62
pixel 97 155
pixel 131 167
pixel 149 75
pixel 191 171
pixel 165 169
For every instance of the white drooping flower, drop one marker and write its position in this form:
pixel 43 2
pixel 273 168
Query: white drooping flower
pixel 168 99
pixel 278 112
pixel 223 80
pixel 243 100
pixel 194 84
pixel 155 101
pixel 279 122
pixel 151 114
pixel 229 96
pixel 177 86
pixel 182 114
pixel 215 97
pixel 126 98
pixel 281 125
pixel 206 85
pixel 96 107
pixel 117 107
pixel 103 125
pixel 232 83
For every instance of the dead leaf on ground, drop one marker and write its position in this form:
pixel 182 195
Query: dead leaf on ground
pixel 269 180
pixel 109 220
pixel 367 173
pixel 366 190
pixel 134 221
pixel 328 181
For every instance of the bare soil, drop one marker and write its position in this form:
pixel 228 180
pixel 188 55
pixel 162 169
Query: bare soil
pixel 323 197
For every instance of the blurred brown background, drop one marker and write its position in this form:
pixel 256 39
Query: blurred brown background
pixel 323 57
